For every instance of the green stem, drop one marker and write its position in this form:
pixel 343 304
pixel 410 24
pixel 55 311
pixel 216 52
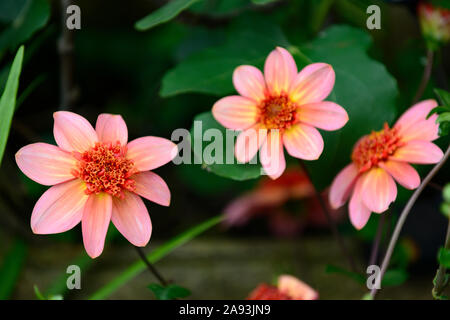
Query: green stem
pixel 441 279
pixel 139 266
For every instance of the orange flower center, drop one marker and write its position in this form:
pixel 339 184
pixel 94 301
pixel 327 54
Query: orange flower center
pixel 104 168
pixel 278 112
pixel 375 147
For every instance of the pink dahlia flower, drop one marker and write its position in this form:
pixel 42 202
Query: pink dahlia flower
pixel 288 288
pixel 97 176
pixel 288 106
pixel 381 158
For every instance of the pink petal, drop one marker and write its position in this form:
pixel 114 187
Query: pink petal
pixel 235 112
pixel 45 163
pixel 248 143
pixel 342 185
pixel 404 173
pixel 149 153
pixel 152 187
pixel 323 115
pixel 73 132
pixel 249 82
pixel 60 208
pixel 379 190
pixel 359 213
pixel 303 141
pixel 272 155
pixel 313 84
pixel 279 71
pixel 130 216
pixel 427 130
pixel 417 113
pixel 296 289
pixel 418 151
pixel 111 128
pixel 95 223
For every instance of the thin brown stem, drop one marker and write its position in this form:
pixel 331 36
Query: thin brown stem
pixel 151 267
pixel 441 279
pixel 425 77
pixel 331 222
pixel 404 215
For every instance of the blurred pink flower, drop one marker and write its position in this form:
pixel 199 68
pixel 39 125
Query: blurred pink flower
pixel 282 99
pixel 288 288
pixel 435 22
pixel 96 176
pixel 381 157
pixel 269 199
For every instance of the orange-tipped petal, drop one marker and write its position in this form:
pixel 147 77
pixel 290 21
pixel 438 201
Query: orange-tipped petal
pixel 130 216
pixel 235 112
pixel 342 185
pixel 152 187
pixel 406 124
pixel 359 213
pixel 60 208
pixel 248 143
pixel 95 222
pixel 279 71
pixel 249 82
pixel 45 163
pixel 402 172
pixel 418 151
pixel 313 84
pixel 73 132
pixel 149 153
pixel 379 190
pixel 296 289
pixel 303 141
pixel 111 128
pixel 272 156
pixel 323 115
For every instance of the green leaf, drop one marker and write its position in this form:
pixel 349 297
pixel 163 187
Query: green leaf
pixel 171 292
pixel 359 278
pixel 10 9
pixel 444 257
pixel 444 96
pixel 10 270
pixel 153 257
pixel 236 171
pixel 368 105
pixel 446 193
pixel 394 277
pixel 443 117
pixel 210 71
pixel 8 100
pixel 164 14
pixel 32 18
pixel 263 2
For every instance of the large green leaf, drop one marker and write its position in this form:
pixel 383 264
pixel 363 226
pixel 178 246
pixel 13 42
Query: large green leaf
pixel 32 17
pixel 164 14
pixel 8 100
pixel 210 70
pixel 235 171
pixel 444 257
pixel 11 268
pixel 363 87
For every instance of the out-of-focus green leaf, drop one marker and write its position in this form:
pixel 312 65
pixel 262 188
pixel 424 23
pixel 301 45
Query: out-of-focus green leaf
pixel 236 171
pixel 368 105
pixel 10 9
pixel 441 3
pixel 444 96
pixel 262 2
pixel 164 14
pixel 11 268
pixel 171 292
pixel 394 277
pixel 350 274
pixel 8 100
pixel 444 257
pixel 33 17
pixel 210 71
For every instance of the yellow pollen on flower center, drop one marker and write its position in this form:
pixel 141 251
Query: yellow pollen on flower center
pixel 375 148
pixel 277 112
pixel 104 168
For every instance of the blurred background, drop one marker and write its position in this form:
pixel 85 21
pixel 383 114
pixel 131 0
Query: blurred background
pixel 112 67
